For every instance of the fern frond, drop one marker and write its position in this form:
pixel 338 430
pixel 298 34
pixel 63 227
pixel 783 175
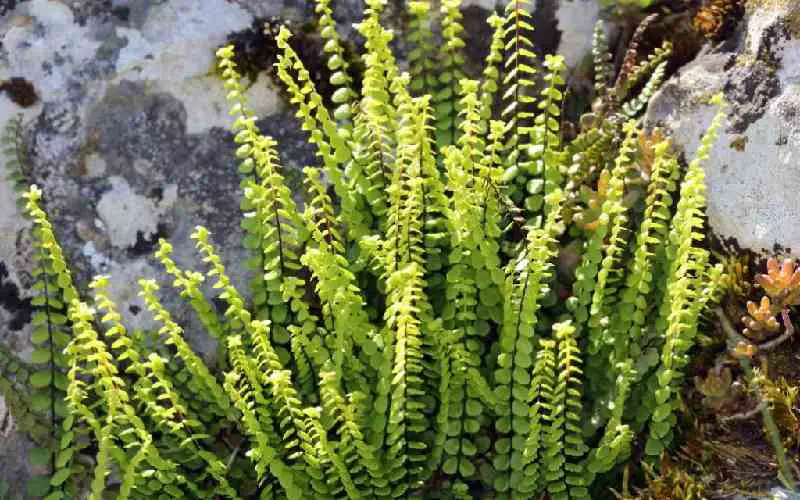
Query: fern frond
pixel 403 241
pixel 360 458
pixel 202 384
pixel 56 291
pixel 602 58
pixel 491 72
pixel 519 104
pixel 647 69
pixel 189 283
pixel 342 304
pixel 598 261
pixel 685 290
pixel 452 60
pixel 634 306
pixel 86 348
pixel 332 147
pixel 369 172
pixel 126 354
pixel 540 397
pixel 15 152
pixel 631 54
pixel 563 440
pixel 264 455
pixel 526 284
pixel 337 63
pixel 174 418
pixel 546 143
pixel 422 55
pixel 406 423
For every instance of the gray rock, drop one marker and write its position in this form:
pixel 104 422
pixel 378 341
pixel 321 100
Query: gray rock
pixel 753 171
pixel 774 494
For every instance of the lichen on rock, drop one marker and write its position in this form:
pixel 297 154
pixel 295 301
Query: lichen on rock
pixel 753 171
pixel 130 217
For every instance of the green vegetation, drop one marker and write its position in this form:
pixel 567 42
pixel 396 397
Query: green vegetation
pixel 407 332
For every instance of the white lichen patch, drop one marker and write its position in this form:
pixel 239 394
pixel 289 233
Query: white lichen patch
pixel 100 263
pixel 46 47
pixel 50 35
pixel 128 215
pixel 175 52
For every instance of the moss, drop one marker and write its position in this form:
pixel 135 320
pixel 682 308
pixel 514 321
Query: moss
pixel 671 481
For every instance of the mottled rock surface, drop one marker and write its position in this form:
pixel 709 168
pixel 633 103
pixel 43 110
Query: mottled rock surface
pixel 126 123
pixel 753 172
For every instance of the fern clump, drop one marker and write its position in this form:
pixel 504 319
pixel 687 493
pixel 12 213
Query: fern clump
pixel 406 332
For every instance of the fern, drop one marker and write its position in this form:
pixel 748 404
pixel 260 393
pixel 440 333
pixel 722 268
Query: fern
pixel 421 59
pixel 15 152
pixel 452 61
pixel 338 65
pixel 405 333
pixel 35 410
pixel 690 286
pixel 519 105
pixel 50 335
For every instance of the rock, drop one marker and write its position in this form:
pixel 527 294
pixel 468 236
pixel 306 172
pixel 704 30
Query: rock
pixel 783 494
pixel 753 170
pixel 576 20
pixel 14 445
pixel 774 494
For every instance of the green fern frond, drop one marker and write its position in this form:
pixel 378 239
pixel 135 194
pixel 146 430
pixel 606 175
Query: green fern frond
pixel 451 58
pixel 337 63
pixel 540 397
pixel 17 162
pixel 55 292
pixel 331 143
pixel 202 384
pixel 563 441
pixel 685 290
pixel 491 71
pixel 601 57
pixel 519 77
pixel 361 459
pixel 526 284
pixel 546 145
pixel 422 55
pixel 406 424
